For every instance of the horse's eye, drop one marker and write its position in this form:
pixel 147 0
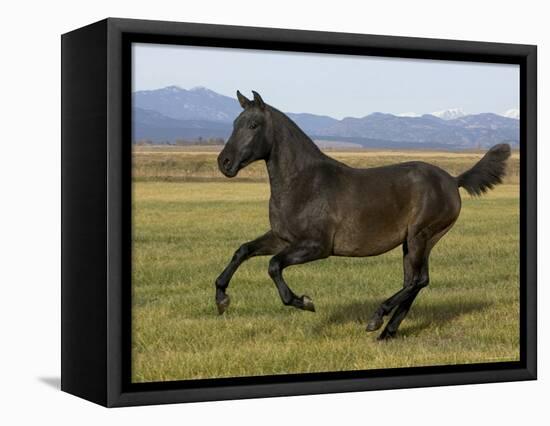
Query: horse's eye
pixel 252 126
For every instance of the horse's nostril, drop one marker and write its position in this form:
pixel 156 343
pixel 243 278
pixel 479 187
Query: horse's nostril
pixel 226 163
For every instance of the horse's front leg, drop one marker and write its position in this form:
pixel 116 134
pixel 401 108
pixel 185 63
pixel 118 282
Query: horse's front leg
pixel 265 245
pixel 303 252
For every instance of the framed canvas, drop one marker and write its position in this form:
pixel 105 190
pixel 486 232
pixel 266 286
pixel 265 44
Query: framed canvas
pixel 199 162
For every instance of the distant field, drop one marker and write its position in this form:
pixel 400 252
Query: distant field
pixel 188 222
pixel 198 163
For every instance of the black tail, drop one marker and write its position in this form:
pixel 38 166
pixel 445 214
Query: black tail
pixel 487 172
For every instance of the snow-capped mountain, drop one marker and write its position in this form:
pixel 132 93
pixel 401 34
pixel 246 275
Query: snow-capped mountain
pixel 512 113
pixel 446 114
pixel 470 131
pixel 449 114
pixel 408 114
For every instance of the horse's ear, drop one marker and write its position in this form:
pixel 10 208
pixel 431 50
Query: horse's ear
pixel 245 103
pixel 258 100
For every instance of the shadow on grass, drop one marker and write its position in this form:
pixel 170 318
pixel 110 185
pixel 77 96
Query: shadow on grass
pixel 425 316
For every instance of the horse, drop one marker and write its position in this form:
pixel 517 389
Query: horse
pixel 320 207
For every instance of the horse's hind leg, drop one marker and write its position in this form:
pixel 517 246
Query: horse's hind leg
pixel 414 258
pixel 419 280
pixel 262 246
pixel 293 255
pixel 416 277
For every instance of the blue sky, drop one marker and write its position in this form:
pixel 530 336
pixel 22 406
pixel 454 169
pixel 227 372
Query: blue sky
pixel 334 85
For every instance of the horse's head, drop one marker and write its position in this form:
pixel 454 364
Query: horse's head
pixel 250 140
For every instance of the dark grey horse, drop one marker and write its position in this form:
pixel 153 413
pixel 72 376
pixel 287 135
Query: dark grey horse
pixel 320 207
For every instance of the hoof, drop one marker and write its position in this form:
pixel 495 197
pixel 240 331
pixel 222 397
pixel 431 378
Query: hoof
pixel 386 335
pixel 375 323
pixel 307 304
pixel 223 304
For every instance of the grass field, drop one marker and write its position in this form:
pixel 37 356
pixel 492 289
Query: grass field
pixel 188 222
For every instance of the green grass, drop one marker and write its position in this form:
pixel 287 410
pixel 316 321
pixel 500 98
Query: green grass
pixel 186 232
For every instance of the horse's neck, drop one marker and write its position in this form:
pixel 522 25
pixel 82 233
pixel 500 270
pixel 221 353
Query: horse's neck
pixel 291 153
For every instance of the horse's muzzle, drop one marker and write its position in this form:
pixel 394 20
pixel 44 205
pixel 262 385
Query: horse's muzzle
pixel 226 165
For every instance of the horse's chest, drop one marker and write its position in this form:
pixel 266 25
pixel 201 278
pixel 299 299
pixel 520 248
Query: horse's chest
pixel 297 218
pixel 277 216
pixel 283 215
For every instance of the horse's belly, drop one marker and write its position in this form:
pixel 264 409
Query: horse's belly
pixel 363 248
pixel 369 238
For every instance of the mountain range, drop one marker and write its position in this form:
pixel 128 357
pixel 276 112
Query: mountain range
pixel 171 113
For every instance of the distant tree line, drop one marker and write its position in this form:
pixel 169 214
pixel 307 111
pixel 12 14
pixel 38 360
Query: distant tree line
pixel 183 142
pixel 200 141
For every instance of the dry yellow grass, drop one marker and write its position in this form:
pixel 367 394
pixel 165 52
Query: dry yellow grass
pixel 199 163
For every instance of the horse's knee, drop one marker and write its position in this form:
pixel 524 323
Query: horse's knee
pixel 274 268
pixel 241 253
pixel 417 283
pixel 422 282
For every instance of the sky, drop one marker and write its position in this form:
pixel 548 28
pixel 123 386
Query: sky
pixel 335 85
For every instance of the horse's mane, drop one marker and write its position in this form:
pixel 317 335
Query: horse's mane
pixel 299 138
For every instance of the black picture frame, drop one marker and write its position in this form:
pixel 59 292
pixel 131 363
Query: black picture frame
pixel 96 209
